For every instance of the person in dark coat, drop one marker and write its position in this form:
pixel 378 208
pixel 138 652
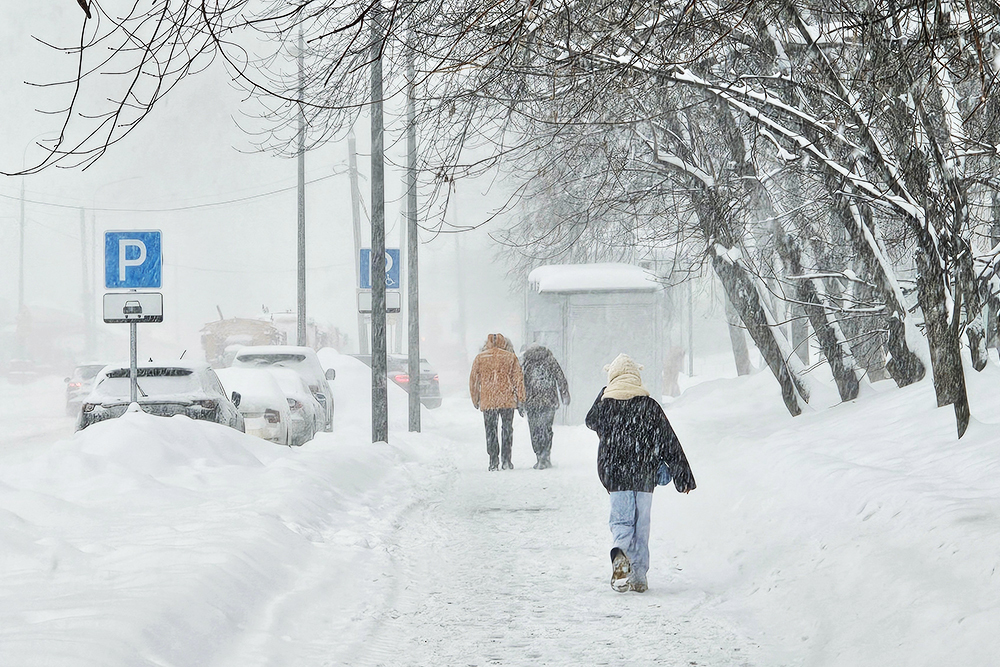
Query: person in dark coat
pixel 545 388
pixel 635 438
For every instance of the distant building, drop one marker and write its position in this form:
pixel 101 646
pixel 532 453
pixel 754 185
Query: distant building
pixel 589 313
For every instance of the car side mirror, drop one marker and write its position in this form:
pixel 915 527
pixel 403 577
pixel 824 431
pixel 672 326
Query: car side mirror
pixel 237 398
pixel 331 374
pixel 66 380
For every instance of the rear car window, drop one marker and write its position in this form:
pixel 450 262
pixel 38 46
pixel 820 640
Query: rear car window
pixel 272 358
pixel 151 381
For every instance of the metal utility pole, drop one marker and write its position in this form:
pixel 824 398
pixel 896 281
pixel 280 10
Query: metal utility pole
pixel 412 243
pixel 380 408
pixel 85 290
pixel 690 330
pixel 133 368
pixel 352 161
pixel 20 263
pixel 400 326
pixel 459 281
pixel 301 319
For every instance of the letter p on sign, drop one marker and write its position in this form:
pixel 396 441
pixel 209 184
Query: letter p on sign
pixel 123 261
pixel 132 260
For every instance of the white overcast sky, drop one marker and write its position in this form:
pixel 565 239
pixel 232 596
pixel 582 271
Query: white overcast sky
pixel 188 152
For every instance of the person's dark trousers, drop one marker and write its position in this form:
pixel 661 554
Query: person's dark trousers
pixel 540 423
pixel 506 416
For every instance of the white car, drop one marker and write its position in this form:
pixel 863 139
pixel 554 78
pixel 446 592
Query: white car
pixel 262 403
pixel 302 360
pixel 307 413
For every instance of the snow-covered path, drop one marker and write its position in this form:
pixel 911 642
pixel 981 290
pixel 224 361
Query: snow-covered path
pixel 511 567
pixel 496 568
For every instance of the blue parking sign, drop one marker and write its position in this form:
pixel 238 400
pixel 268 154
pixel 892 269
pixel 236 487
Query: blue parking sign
pixel 391 268
pixel 133 260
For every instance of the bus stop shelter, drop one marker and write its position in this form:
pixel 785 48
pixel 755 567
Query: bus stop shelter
pixel 589 313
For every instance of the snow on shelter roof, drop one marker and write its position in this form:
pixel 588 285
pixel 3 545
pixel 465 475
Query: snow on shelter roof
pixel 592 278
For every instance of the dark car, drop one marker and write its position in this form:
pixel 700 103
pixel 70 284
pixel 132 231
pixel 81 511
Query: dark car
pixel 165 390
pixel 79 384
pixel 397 370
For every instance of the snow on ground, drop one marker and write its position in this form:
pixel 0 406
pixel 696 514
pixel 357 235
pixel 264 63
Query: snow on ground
pixel 861 534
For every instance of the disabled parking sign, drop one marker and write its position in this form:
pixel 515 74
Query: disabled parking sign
pixel 391 268
pixel 133 260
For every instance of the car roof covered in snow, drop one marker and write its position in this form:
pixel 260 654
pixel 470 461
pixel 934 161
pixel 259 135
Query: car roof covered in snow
pixel 608 277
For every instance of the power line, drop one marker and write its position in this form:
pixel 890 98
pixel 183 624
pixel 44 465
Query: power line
pixel 168 209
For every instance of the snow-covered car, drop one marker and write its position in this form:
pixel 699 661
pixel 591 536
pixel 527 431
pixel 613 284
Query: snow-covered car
pixel 302 360
pixel 307 414
pixel 263 405
pixel 180 388
pixel 398 370
pixel 79 384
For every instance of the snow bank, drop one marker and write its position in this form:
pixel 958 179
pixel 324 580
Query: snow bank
pixel 148 541
pixel 865 534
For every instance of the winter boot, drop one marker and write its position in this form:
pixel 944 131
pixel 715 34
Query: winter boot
pixel 494 464
pixel 538 464
pixel 544 462
pixel 621 568
pixel 507 465
pixel 637 585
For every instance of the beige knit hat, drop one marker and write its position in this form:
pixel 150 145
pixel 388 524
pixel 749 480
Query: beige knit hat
pixel 622 364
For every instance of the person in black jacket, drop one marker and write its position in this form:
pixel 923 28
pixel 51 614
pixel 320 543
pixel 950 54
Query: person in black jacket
pixel 635 438
pixel 545 387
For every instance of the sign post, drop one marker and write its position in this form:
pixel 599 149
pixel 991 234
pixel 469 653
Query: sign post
pixel 132 261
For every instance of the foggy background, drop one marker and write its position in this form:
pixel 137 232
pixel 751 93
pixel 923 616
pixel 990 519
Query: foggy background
pixel 228 217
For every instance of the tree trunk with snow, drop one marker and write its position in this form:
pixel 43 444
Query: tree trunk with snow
pixel 741 353
pixel 946 356
pixel 905 366
pixel 742 291
pixel 831 339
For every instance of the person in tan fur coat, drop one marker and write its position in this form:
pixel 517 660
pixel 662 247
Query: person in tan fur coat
pixel 496 386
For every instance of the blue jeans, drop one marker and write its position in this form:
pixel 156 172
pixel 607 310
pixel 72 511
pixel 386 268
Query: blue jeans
pixel 630 528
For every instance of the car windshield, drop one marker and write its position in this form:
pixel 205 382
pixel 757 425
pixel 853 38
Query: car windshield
pixel 151 381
